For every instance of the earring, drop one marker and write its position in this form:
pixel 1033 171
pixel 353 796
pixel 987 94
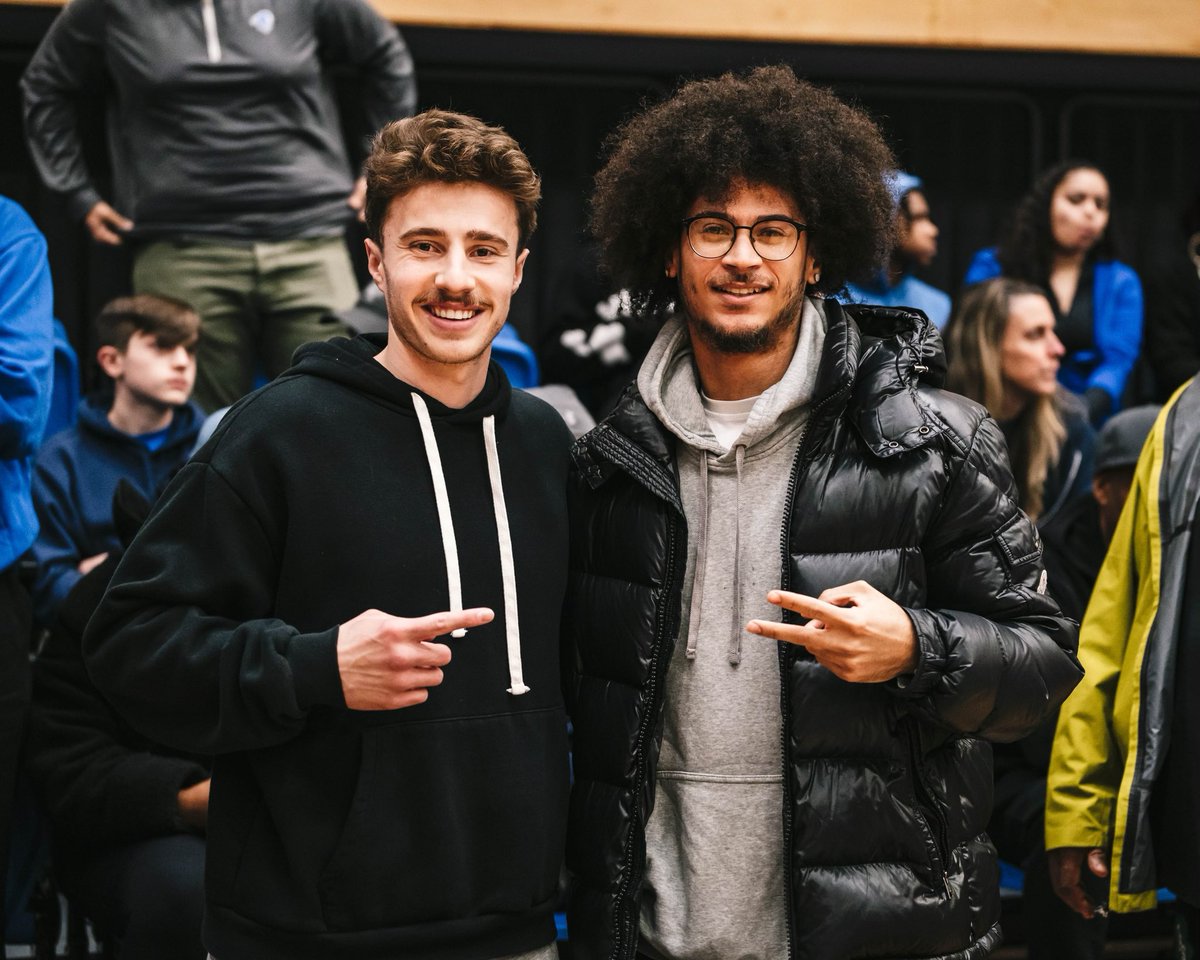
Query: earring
pixel 816 277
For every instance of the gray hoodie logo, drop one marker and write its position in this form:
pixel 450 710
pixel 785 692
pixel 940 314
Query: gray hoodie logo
pixel 263 21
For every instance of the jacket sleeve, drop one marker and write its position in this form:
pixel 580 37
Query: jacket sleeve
pixel 100 783
pixel 352 34
pixel 995 655
pixel 185 645
pixel 984 266
pixel 1086 762
pixel 26 338
pixel 60 533
pixel 1119 334
pixel 68 64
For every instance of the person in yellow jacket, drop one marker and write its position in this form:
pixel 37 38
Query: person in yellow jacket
pixel 1124 780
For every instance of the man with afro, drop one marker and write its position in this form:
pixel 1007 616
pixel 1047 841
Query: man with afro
pixel 802 595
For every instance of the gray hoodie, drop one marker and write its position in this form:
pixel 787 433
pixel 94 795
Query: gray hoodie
pixel 714 883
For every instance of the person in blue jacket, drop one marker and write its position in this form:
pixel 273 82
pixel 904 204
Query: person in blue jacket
pixel 1060 239
pixel 914 247
pixel 26 366
pixel 142 434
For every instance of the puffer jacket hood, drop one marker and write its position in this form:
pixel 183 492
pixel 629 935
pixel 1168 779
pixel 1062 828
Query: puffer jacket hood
pixel 887 786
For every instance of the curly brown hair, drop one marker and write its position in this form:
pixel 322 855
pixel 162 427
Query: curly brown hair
pixel 766 127
pixel 439 146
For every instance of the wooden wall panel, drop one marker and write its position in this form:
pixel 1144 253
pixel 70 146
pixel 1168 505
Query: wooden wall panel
pixel 1146 27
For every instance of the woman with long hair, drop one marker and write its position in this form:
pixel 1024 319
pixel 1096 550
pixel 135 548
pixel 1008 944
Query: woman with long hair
pixel 1002 351
pixel 1060 240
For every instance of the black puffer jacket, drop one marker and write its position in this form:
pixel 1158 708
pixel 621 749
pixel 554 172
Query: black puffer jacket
pixel 887 786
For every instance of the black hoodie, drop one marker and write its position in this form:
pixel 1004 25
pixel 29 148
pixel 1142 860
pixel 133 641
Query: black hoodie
pixel 432 831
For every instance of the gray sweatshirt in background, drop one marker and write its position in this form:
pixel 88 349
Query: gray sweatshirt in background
pixel 714 881
pixel 221 114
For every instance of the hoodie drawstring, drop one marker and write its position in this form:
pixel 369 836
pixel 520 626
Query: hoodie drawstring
pixel 701 559
pixel 508 569
pixel 735 634
pixel 694 608
pixel 208 14
pixel 508 573
pixel 449 543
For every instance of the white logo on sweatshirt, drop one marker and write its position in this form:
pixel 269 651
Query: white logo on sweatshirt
pixel 263 21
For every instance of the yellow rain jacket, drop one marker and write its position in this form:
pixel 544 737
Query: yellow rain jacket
pixel 1112 736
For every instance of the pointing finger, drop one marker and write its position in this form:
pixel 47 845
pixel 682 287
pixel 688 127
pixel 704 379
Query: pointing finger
pixel 439 624
pixel 799 634
pixel 807 606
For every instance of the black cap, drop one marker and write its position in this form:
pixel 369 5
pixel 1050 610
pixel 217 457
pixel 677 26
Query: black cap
pixel 1123 436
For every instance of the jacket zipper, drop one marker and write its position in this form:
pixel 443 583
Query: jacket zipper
pixel 624 923
pixel 208 14
pixel 785 700
pixel 927 808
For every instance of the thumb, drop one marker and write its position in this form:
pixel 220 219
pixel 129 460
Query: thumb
pixel 1097 862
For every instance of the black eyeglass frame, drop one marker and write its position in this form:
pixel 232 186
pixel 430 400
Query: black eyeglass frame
pixel 686 224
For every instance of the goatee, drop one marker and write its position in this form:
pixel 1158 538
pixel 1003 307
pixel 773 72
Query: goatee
pixel 757 340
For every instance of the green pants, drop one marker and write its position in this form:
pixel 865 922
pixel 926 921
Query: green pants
pixel 258 302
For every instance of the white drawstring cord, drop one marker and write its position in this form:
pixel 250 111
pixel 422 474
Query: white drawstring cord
pixel 508 571
pixel 449 544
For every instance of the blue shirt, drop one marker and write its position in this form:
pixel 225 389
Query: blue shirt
pixel 909 292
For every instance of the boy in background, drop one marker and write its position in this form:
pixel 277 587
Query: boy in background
pixel 142 433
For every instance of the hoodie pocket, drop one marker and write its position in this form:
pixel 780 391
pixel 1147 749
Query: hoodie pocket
pixel 451 819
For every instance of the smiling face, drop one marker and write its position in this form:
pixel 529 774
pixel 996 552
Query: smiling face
pixel 1030 350
pixel 741 303
pixel 448 264
pixel 1079 210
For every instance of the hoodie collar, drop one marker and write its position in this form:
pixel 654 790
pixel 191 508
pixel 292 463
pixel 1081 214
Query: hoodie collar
pixel 668 383
pixel 92 415
pixel 353 363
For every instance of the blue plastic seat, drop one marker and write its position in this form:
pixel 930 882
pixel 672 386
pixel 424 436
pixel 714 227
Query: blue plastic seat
pixel 516 357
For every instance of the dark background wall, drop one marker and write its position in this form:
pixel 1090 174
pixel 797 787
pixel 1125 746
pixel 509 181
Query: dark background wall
pixel 976 125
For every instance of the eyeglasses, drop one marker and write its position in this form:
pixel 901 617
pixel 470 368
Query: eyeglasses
pixel 711 235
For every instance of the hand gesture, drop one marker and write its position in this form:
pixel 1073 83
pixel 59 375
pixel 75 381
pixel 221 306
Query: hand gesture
pixel 106 225
pixel 855 631
pixel 390 662
pixel 1066 877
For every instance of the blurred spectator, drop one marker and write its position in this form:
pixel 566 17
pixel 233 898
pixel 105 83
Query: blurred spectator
pixel 1002 350
pixel 128 814
pixel 1074 544
pixel 26 363
pixel 1124 781
pixel 594 344
pixel 914 248
pixel 231 174
pixel 1173 310
pixel 142 433
pixel 1060 239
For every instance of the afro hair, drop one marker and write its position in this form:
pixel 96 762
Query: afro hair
pixel 764 127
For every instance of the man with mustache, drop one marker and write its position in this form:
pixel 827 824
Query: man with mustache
pixel 383 786
pixel 786 469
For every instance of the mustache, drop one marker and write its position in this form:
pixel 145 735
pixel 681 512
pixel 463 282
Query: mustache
pixel 748 278
pixel 445 298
